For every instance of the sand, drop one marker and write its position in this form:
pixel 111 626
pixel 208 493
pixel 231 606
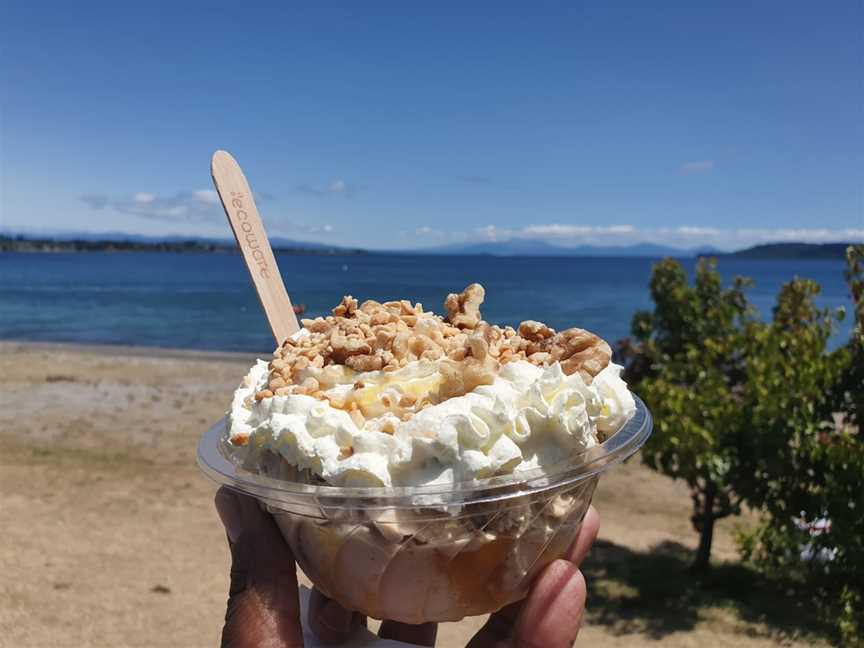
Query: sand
pixel 109 536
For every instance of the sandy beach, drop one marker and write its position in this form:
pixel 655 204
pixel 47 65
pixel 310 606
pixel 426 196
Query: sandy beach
pixel 110 537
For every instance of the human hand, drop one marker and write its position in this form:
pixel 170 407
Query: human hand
pixel 264 607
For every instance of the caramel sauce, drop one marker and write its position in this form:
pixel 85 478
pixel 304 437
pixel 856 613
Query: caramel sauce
pixel 472 573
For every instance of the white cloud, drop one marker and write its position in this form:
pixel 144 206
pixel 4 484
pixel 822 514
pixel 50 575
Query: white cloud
pixel 620 229
pixel 336 187
pixel 690 230
pixel 184 206
pixel 492 233
pixel 820 235
pixel 557 230
pixel 173 212
pixel 571 231
pixel 697 166
pixel 430 232
pixel 208 196
pixel 202 209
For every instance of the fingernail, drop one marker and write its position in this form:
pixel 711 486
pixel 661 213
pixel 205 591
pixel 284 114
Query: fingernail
pixel 334 617
pixel 228 509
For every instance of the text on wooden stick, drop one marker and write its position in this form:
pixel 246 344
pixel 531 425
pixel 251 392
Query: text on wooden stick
pixel 249 239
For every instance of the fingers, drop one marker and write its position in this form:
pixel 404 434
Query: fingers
pixel 263 604
pixel 421 635
pixel 552 613
pixel 586 537
pixel 331 622
pixel 497 632
pixel 549 618
pixel 253 536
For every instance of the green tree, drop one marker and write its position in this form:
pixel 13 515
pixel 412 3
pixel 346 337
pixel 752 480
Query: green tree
pixel 762 412
pixel 808 456
pixel 688 364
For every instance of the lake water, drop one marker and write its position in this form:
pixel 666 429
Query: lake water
pixel 206 301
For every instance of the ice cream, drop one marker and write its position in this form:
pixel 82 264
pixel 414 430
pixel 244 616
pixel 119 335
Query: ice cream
pixel 387 396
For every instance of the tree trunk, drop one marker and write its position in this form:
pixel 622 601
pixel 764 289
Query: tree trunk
pixel 706 530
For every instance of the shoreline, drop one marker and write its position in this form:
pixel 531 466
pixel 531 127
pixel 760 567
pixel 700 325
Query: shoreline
pixel 142 351
pixel 195 245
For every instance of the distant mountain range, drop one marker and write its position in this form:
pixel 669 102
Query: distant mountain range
pixel 525 247
pixel 121 242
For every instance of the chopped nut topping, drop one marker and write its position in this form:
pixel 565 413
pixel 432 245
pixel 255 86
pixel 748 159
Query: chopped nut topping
pixel 373 336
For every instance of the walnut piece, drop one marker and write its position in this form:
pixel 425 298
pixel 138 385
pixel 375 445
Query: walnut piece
pixel 580 350
pixel 346 307
pixel 366 362
pixel 535 331
pixel 463 310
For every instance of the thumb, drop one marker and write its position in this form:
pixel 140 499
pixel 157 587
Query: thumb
pixel 263 603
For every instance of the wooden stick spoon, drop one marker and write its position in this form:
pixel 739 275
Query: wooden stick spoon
pixel 236 197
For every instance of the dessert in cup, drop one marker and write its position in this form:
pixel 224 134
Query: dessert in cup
pixel 426 468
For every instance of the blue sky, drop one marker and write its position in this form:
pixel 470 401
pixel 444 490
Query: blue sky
pixel 398 125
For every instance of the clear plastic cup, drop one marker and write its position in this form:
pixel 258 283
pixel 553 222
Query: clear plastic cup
pixel 430 553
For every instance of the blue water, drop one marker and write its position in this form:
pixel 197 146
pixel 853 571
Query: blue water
pixel 206 301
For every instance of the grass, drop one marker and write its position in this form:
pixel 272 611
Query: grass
pixel 656 594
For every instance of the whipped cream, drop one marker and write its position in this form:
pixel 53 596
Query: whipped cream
pixel 529 417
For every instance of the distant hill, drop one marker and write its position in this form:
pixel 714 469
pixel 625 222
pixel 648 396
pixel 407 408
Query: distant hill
pixel 119 242
pixel 706 250
pixel 525 247
pixel 790 251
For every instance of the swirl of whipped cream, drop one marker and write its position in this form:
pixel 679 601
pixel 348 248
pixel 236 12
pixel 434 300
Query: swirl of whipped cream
pixel 529 417
pixel 616 402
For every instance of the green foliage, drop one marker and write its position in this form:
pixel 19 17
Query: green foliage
pixel 762 412
pixel 788 398
pixel 687 364
pixel 808 455
pixel 850 621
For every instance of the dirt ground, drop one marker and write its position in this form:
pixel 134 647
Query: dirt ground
pixel 109 537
